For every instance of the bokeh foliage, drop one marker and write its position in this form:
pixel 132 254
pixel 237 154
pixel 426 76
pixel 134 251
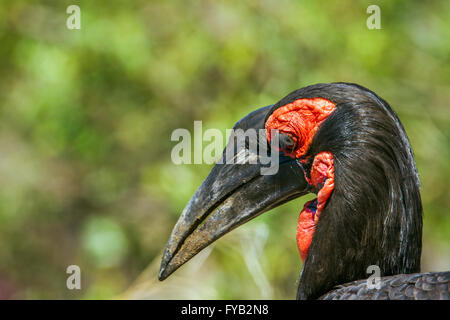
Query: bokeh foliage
pixel 86 117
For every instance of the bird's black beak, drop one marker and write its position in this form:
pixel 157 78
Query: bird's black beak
pixel 232 194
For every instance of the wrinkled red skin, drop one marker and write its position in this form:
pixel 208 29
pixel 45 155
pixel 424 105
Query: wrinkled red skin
pixel 322 172
pixel 301 119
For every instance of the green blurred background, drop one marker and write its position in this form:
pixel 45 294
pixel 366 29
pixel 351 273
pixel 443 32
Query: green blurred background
pixel 86 116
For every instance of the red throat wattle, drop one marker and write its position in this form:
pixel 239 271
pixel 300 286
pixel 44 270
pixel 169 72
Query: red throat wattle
pixel 322 175
pixel 300 120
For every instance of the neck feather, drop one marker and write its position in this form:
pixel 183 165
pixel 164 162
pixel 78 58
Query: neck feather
pixel 374 215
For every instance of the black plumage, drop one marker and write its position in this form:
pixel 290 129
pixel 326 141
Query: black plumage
pixel 415 286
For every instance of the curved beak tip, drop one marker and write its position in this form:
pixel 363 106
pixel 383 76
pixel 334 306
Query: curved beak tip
pixel 164 270
pixel 161 275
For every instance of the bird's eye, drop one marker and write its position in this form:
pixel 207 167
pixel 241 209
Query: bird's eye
pixel 287 142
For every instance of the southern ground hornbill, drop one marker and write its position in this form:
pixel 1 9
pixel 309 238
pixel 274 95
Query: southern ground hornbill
pixel 346 144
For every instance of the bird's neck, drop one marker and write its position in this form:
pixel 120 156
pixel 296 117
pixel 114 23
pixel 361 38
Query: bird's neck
pixel 361 226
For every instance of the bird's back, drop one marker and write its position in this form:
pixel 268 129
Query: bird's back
pixel 415 286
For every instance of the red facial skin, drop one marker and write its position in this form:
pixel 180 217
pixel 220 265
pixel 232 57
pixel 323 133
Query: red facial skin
pixel 300 120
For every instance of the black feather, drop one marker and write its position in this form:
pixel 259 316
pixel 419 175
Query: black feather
pixel 416 286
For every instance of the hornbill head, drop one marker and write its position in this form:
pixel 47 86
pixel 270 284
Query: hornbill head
pixel 340 141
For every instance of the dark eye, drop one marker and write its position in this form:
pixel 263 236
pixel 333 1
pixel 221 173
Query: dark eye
pixel 287 142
